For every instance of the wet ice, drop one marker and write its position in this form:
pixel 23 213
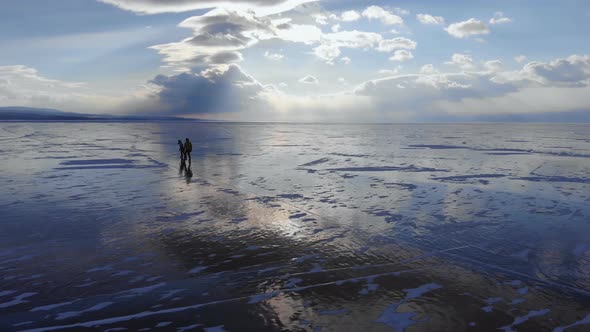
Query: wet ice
pixel 294 226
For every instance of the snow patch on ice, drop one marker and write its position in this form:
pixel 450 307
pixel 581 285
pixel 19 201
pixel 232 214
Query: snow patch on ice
pixel 263 297
pixel 144 290
pixel 399 321
pixel 521 319
pixel 188 328
pixel 584 321
pixel 198 269
pixel 51 306
pixel 17 300
pixel 419 291
pixel 304 258
pixel 101 268
pixel 70 314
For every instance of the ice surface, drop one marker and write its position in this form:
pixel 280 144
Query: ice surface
pixel 293 227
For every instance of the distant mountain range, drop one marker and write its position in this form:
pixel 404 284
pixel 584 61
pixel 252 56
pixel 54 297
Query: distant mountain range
pixel 46 114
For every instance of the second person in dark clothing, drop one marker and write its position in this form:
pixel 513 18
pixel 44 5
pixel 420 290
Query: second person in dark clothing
pixel 181 149
pixel 188 148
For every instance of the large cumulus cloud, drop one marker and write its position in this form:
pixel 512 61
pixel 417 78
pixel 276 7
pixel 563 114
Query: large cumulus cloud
pixel 222 89
pixel 573 71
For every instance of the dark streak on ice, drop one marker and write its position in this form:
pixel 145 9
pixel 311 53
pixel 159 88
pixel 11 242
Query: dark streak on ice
pixel 553 179
pixel 468 177
pixel 97 162
pixel 386 169
pixel 316 162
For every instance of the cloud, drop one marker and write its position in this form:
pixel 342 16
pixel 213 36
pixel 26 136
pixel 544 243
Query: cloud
pixel 387 72
pixel 389 45
pixel 571 71
pixel 554 86
pixel 401 11
pixel 529 103
pixel 261 7
pixel 331 43
pixel 520 58
pixel 462 61
pixel 499 18
pixel 299 33
pixel 309 80
pixel 346 60
pixel 378 13
pixel 350 16
pixel 20 74
pixel 429 19
pixel 321 19
pixel 273 56
pixel 223 89
pixel 327 52
pixel 216 59
pixel 421 94
pixel 22 85
pixel 217 31
pixel 428 70
pixel 494 65
pixel 467 28
pixel 402 55
pixel 429 94
pixel 225 31
pixel 25 86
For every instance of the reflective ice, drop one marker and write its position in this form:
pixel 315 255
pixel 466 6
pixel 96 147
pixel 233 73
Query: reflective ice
pixel 294 227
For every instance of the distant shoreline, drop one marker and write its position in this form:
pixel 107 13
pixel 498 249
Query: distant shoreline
pixel 286 123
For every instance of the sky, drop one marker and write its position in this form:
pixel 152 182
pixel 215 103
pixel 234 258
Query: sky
pixel 300 60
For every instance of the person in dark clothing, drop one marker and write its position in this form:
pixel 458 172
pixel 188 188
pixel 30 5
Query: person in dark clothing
pixel 181 149
pixel 188 148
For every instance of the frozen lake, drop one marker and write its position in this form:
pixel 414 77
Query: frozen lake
pixel 294 227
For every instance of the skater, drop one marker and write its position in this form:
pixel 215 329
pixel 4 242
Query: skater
pixel 188 148
pixel 181 149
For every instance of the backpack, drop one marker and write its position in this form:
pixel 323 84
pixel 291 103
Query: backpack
pixel 188 146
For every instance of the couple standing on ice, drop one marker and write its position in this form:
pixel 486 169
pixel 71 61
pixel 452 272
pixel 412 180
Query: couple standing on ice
pixel 185 150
